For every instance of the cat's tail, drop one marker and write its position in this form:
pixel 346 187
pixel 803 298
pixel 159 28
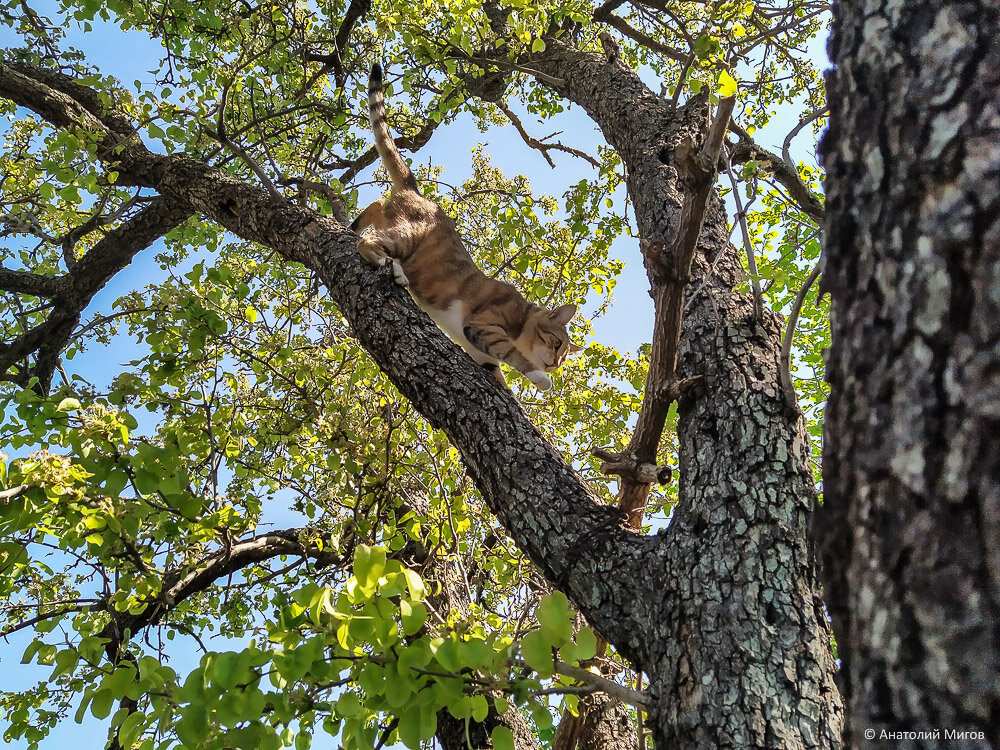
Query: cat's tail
pixel 398 169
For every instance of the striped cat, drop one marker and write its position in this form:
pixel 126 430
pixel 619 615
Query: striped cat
pixel 488 318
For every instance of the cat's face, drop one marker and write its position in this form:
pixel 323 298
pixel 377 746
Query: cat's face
pixel 550 344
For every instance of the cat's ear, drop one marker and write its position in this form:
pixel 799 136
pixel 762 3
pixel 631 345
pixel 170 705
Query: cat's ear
pixel 562 315
pixel 574 348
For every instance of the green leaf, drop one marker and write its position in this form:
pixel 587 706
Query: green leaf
pixel 369 563
pixel 412 615
pixel 584 647
pixel 416 725
pixel 348 704
pixel 100 706
pixel 66 662
pixel 480 707
pixel 502 737
pixel 68 404
pixel 448 655
pixel 415 584
pixel 537 652
pixel 538 45
pixel 131 728
pixel 555 618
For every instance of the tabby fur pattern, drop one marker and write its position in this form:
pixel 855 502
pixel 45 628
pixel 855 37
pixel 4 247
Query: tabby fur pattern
pixel 487 317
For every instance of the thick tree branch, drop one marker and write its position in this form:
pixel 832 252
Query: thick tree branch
pixel 669 269
pixel 72 293
pixel 25 282
pixel 179 585
pixel 605 15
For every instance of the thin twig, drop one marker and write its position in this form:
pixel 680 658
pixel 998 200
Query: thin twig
pixel 640 730
pixel 785 361
pixel 758 304
pixel 39 618
pixel 539 145
pixel 787 143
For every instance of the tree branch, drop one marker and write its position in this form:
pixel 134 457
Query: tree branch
pixel 24 282
pixel 605 15
pixel 538 145
pixel 72 293
pixel 741 217
pixel 178 585
pixel 785 363
pixel 669 268
pixel 622 693
pixel 746 150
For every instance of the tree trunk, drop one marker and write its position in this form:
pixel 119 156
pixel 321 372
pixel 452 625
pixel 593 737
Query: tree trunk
pixel 743 650
pixel 911 523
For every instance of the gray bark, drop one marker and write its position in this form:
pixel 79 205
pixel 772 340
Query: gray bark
pixel 911 522
pixel 742 648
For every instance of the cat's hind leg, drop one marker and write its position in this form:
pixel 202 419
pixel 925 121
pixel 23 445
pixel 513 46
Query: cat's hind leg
pixel 373 216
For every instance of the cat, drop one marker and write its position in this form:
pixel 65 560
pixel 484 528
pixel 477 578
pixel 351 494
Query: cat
pixel 488 318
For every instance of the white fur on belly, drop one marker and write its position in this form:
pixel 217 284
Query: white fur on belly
pixel 451 320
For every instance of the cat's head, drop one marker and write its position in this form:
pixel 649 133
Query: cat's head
pixel 548 338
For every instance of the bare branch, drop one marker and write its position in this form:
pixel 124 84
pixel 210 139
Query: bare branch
pixel 787 143
pixel 11 492
pixel 785 362
pixel 335 60
pixel 669 268
pixel 544 148
pixel 622 693
pixel 39 618
pixel 629 467
pixel 741 217
pixel 179 584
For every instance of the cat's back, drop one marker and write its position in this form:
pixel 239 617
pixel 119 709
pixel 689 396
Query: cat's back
pixel 444 278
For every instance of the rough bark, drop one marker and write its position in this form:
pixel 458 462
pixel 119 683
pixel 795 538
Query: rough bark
pixel 743 651
pixel 911 521
pixel 603 723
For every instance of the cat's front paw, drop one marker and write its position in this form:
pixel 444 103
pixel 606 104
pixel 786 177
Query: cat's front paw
pixel 398 275
pixel 540 379
pixel 397 270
